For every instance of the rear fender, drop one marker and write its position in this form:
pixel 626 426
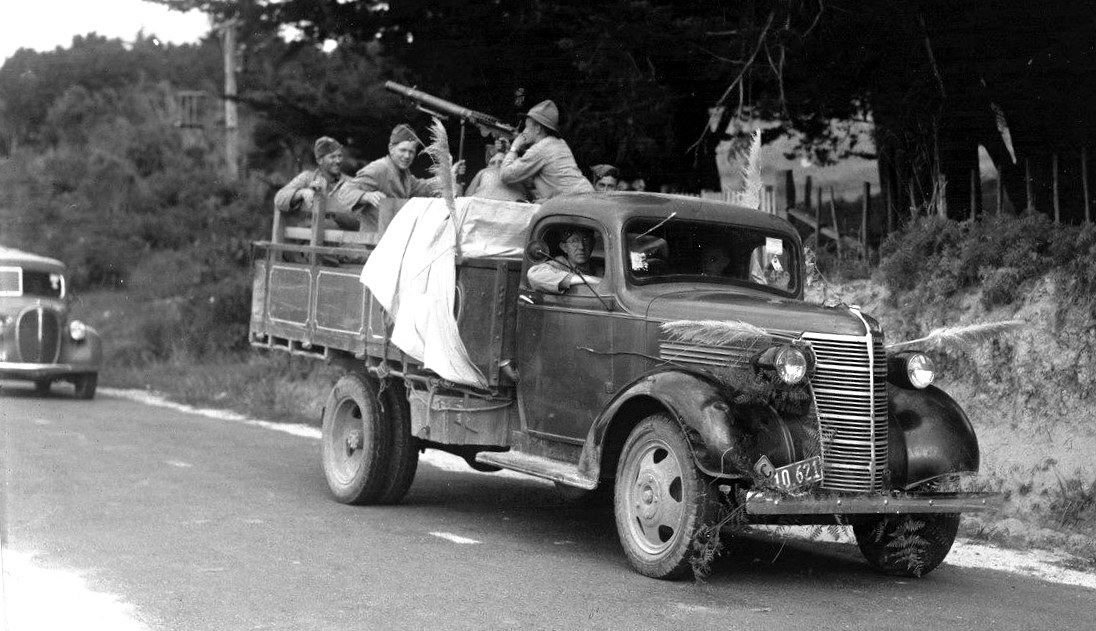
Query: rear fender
pixel 930 436
pixel 726 440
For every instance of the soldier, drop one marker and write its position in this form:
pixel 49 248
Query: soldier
pixel 391 175
pixel 574 267
pixel 605 177
pixel 300 193
pixel 539 155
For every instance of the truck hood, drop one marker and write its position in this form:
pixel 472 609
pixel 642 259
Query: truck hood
pixel 769 312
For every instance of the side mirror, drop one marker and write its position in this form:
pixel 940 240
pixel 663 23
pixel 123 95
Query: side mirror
pixel 537 251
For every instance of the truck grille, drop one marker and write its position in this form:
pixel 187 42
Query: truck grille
pixel 850 391
pixel 39 335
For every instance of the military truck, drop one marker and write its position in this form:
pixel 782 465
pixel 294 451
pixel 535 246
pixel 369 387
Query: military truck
pixel 692 383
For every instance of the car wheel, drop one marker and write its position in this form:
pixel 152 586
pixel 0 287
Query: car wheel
pixel 404 456
pixel 355 441
pixel 85 385
pixel 659 499
pixel 41 386
pixel 907 545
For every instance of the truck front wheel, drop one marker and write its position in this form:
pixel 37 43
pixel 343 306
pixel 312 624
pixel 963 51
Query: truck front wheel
pixel 907 545
pixel 356 441
pixel 659 499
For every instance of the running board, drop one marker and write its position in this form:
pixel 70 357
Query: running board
pixel 537 466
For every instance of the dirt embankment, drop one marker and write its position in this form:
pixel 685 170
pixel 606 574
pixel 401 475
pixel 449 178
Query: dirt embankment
pixel 1031 395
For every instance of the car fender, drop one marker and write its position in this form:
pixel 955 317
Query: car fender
pixel 930 436
pixel 726 440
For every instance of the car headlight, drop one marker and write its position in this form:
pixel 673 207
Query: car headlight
pixel 78 330
pixel 912 369
pixel 787 363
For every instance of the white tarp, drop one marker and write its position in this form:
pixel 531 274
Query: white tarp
pixel 412 274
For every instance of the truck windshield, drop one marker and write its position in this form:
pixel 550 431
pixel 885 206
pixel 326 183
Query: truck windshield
pixel 695 251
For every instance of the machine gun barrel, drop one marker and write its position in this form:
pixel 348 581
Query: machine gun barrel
pixel 439 106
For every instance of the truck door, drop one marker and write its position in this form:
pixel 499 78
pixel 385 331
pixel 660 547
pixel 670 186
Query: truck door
pixel 565 341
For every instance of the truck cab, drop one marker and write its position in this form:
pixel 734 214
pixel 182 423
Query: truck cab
pixel 673 364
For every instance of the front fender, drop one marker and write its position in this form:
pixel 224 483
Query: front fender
pixel 726 440
pixel 930 436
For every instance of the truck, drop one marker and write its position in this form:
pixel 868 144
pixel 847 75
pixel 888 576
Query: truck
pixel 686 378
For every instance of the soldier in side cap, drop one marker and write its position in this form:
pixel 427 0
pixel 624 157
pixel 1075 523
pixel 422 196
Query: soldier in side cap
pixel 541 157
pixel 391 175
pixel 299 195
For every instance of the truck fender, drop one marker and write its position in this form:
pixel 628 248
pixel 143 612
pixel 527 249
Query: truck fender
pixel 929 436
pixel 726 440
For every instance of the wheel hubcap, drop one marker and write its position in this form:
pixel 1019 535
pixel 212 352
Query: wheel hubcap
pixel 654 497
pixel 347 441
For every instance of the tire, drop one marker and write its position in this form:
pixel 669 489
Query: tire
pixel 404 457
pixel 85 385
pixel 41 387
pixel 356 443
pixel 659 499
pixel 907 545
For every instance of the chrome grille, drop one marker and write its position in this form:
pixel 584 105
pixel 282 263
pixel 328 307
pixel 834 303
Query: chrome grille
pixel 850 393
pixel 707 357
pixel 38 332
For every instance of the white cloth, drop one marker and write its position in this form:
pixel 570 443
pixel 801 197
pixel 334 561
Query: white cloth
pixel 412 274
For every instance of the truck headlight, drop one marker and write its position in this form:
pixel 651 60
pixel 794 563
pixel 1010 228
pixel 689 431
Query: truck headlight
pixel 788 363
pixel 912 369
pixel 78 330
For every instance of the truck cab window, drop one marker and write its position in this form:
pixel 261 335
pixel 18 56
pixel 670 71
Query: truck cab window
pixel 695 251
pixel 577 261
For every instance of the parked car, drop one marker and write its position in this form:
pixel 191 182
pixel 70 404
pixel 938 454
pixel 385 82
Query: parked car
pixel 39 340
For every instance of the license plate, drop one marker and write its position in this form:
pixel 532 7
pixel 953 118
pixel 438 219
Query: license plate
pixel 796 474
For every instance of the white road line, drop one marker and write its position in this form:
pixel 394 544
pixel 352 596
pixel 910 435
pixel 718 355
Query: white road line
pixel 965 553
pixel 180 464
pixel 448 536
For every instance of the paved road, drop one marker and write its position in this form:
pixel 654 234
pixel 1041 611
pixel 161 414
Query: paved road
pixel 207 524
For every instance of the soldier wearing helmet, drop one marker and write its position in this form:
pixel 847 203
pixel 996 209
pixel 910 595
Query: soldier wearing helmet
pixel 541 158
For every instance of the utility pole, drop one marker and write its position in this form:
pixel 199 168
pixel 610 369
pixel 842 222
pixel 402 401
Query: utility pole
pixel 232 134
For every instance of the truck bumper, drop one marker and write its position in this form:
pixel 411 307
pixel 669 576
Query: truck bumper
pixel 769 503
pixel 20 370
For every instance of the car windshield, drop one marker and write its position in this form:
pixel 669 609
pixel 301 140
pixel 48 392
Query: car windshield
pixel 696 251
pixel 20 282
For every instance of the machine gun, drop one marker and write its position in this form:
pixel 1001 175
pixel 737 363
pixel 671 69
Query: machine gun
pixel 430 104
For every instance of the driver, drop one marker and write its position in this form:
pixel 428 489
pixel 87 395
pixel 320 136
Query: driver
pixel 574 267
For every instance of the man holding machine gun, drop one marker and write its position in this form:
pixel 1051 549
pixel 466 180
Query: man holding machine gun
pixel 539 155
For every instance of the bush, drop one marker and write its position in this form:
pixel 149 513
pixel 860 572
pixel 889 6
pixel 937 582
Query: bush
pixel 935 258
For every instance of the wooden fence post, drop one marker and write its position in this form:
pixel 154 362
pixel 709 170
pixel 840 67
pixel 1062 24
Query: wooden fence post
pixel 975 192
pixel 1028 185
pixel 1054 181
pixel 818 217
pixel 865 207
pixel 1084 183
pixel 1000 194
pixel 833 217
pixel 789 189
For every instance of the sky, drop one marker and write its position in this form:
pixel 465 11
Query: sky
pixel 45 24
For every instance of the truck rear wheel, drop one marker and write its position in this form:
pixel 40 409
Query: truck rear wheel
pixel 659 499
pixel 404 461
pixel 356 444
pixel 907 545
